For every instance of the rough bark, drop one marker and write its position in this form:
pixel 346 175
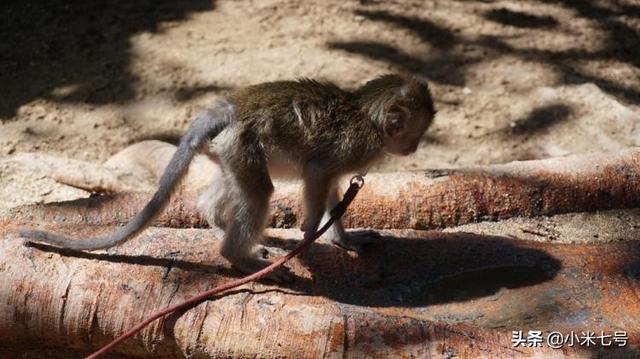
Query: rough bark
pixel 407 296
pixel 416 200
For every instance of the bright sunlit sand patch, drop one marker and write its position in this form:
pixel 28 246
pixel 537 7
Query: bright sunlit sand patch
pixel 64 91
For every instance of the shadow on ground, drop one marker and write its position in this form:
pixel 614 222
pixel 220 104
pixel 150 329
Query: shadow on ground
pixel 396 271
pixel 451 55
pixel 520 19
pixel 415 272
pixel 82 49
pixel 540 119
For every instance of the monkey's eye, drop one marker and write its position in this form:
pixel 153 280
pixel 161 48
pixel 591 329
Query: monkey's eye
pixel 394 123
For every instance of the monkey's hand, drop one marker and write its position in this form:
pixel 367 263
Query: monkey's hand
pixel 357 241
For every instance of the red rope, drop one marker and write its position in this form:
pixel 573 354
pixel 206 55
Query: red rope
pixel 336 213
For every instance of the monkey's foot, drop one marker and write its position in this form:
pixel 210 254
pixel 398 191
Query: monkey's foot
pixel 251 265
pixel 357 241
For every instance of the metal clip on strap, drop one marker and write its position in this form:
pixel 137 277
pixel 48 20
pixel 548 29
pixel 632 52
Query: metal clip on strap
pixel 356 183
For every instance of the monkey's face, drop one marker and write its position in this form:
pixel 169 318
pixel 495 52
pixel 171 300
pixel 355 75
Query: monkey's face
pixel 404 127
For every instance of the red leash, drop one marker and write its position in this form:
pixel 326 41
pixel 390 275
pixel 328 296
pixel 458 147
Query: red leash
pixel 356 183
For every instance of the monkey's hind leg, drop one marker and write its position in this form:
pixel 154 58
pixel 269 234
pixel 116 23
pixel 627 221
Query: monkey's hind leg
pixel 213 204
pixel 250 189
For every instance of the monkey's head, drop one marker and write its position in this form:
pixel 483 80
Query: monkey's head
pixel 406 116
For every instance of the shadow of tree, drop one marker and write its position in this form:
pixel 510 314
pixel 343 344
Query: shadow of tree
pixel 561 61
pixel 450 71
pixel 442 66
pixel 520 19
pixel 448 62
pixel 83 47
pixel 623 43
pixel 426 30
pixel 541 118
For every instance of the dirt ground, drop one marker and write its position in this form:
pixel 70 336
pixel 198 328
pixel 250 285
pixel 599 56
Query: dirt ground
pixel 512 80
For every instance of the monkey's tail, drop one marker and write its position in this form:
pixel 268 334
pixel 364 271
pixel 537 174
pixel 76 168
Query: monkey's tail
pixel 205 127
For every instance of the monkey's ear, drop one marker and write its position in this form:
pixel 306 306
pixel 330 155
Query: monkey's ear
pixel 416 87
pixel 394 121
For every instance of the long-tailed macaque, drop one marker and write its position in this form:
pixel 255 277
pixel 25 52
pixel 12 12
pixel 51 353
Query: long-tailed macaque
pixel 303 129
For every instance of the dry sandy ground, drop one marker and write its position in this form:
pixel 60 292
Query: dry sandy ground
pixel 512 79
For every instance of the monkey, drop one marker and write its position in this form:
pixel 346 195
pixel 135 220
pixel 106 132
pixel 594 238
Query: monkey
pixel 306 129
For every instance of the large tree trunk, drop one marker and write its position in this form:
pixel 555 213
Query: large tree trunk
pixel 416 200
pixel 402 298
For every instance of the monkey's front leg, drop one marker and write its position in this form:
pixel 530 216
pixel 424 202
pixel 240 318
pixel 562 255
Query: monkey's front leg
pixel 320 196
pixel 352 241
